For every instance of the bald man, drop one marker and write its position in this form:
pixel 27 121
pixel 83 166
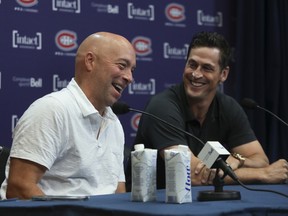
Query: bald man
pixel 70 142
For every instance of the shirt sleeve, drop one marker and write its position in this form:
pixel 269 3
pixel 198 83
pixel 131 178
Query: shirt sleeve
pixel 39 133
pixel 239 129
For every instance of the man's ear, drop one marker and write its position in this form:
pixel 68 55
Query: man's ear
pixel 89 61
pixel 224 74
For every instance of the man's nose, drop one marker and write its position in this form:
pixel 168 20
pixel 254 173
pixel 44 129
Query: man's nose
pixel 197 73
pixel 128 77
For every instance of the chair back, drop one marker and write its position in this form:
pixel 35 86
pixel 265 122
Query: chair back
pixel 4 154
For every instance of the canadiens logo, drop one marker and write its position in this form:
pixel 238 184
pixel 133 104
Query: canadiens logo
pixel 142 45
pixel 66 40
pixel 175 12
pixel 135 121
pixel 27 3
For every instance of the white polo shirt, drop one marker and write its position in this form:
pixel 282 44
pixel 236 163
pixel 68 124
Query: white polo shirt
pixel 82 150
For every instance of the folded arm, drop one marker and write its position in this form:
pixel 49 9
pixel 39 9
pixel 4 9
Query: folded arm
pixel 256 168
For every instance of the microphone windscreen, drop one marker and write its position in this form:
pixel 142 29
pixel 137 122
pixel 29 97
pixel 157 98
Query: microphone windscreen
pixel 249 103
pixel 120 108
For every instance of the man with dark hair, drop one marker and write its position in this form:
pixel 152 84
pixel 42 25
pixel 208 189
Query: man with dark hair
pixel 195 105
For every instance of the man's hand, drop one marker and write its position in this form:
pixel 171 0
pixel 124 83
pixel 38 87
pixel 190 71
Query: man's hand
pixel 276 172
pixel 203 174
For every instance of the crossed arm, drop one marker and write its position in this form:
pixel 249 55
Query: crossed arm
pixel 256 168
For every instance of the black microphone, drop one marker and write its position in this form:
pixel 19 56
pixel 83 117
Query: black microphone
pixel 251 104
pixel 122 108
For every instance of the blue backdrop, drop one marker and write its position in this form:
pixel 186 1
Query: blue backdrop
pixel 39 39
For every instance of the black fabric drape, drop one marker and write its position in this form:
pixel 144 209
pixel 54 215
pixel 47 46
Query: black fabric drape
pixel 261 69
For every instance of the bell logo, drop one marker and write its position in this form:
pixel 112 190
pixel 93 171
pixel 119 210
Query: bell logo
pixel 35 83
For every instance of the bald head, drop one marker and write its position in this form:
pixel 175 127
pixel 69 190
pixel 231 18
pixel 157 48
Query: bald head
pixel 100 44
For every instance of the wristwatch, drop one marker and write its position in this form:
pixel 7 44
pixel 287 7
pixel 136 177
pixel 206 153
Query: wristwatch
pixel 240 158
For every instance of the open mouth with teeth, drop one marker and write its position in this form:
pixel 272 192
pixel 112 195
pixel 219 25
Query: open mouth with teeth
pixel 118 87
pixel 197 84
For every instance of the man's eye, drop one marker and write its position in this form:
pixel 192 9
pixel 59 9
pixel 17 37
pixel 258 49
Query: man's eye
pixel 193 66
pixel 207 68
pixel 121 66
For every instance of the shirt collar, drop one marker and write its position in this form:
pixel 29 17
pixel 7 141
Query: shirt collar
pixel 213 110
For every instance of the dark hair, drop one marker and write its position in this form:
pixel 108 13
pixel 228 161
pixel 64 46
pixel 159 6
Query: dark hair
pixel 212 40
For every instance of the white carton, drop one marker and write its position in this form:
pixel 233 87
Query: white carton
pixel 178 175
pixel 143 163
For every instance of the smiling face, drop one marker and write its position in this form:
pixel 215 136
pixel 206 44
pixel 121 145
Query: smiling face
pixel 202 74
pixel 109 61
pixel 113 71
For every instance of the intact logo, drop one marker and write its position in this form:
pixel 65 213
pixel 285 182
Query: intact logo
pixel 14 120
pixel 209 20
pixel 27 3
pixel 142 88
pixel 175 12
pixel 142 45
pixel 135 121
pixel 72 6
pixel 140 13
pixel 59 84
pixel 66 40
pixel 26 41
pixel 171 52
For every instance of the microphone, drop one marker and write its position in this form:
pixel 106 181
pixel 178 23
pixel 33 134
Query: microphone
pixel 212 154
pixel 251 104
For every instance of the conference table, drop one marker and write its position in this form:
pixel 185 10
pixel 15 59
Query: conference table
pixel 251 203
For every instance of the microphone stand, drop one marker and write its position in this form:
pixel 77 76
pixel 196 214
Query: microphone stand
pixel 218 193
